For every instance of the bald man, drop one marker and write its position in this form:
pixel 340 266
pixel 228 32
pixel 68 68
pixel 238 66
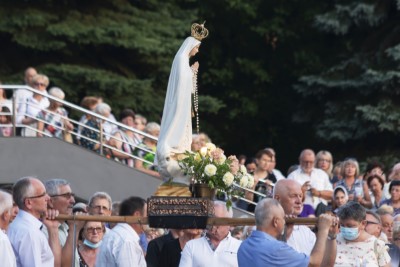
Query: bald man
pixel 290 195
pixel 263 249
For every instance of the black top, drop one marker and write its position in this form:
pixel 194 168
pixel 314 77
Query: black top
pixel 171 254
pixel 154 250
pixel 262 188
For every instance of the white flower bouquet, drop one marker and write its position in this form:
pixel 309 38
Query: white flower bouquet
pixel 210 166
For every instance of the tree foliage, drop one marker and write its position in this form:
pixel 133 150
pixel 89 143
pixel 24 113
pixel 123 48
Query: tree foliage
pixel 288 74
pixel 121 50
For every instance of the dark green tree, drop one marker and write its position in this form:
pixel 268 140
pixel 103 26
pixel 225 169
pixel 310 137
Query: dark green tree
pixel 121 50
pixel 356 101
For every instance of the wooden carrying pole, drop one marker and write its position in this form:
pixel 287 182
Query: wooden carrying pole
pixel 210 221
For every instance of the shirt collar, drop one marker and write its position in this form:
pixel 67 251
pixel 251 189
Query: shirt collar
pixel 35 222
pixel 213 248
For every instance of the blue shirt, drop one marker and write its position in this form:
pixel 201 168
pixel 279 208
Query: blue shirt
pixel 261 249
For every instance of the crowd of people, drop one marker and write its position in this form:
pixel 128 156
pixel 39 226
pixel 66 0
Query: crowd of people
pixel 40 116
pixel 357 210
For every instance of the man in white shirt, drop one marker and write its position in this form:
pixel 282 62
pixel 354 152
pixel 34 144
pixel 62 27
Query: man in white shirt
pixel 30 245
pixel 216 248
pixel 289 195
pixel 32 105
pixel 7 253
pixel 120 246
pixel 23 94
pixel 315 182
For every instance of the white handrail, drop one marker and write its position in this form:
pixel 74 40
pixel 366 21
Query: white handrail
pixel 103 136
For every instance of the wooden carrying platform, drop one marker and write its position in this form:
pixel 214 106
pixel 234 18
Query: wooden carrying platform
pixel 179 212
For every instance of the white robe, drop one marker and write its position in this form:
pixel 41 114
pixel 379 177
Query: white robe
pixel 176 124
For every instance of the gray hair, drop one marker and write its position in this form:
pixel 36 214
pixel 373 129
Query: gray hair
pixel 152 128
pixel 53 185
pixel 6 202
pixel 375 215
pixel 352 210
pixel 57 92
pixel 228 213
pixel 306 152
pixel 102 108
pixel 348 162
pixel 264 210
pixel 22 189
pixel 142 118
pixel 101 195
pixel 384 210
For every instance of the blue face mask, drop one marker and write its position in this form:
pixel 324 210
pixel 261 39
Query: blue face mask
pixel 90 244
pixel 349 233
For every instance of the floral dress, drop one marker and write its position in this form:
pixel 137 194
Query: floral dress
pixel 52 119
pixel 92 134
pixel 369 253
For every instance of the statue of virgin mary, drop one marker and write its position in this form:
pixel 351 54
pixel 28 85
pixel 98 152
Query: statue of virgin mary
pixel 176 125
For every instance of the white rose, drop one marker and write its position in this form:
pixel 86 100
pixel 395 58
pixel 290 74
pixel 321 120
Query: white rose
pixel 203 151
pixel 210 170
pixel 221 159
pixel 243 169
pixel 250 181
pixel 210 146
pixel 228 178
pixel 244 181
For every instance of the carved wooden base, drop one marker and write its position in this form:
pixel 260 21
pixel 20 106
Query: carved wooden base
pixel 179 212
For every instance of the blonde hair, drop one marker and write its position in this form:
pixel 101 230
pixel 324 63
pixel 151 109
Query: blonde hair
pixel 318 157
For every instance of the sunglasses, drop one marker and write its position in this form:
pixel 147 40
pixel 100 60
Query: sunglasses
pixel 40 84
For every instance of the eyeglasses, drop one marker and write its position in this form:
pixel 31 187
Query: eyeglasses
pixel 325 160
pixel 40 84
pixel 100 207
pixel 92 230
pixel 68 195
pixel 38 196
pixel 371 222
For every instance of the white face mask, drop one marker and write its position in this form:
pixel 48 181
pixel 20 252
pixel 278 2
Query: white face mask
pixel 92 245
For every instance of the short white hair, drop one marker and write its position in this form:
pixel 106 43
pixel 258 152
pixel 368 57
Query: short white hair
pixel 6 202
pixel 57 92
pixel 228 212
pixel 102 109
pixel 264 211
pixel 100 195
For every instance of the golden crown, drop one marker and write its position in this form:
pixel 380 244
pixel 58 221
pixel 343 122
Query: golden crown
pixel 199 32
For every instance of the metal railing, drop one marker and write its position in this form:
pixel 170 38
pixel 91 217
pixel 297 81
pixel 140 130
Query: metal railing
pixel 103 136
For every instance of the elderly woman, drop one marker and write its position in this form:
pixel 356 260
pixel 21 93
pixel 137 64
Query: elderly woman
pixel 142 150
pixel 356 188
pixel 375 184
pixel 355 247
pixel 324 161
pixel 394 200
pixel 92 234
pixel 54 121
pixel 91 132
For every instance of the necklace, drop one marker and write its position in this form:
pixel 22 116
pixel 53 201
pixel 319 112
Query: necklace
pixel 196 100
